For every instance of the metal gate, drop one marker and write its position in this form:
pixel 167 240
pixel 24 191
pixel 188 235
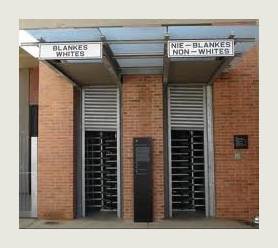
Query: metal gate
pixel 101 170
pixel 186 115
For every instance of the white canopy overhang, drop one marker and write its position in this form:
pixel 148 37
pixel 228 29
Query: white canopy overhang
pixel 140 50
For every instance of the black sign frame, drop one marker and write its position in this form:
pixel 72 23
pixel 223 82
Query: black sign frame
pixel 143 205
pixel 240 141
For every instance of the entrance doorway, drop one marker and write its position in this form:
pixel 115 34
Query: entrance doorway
pixel 101 167
pixel 190 168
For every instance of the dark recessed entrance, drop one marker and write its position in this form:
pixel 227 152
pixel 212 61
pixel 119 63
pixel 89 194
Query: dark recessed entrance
pixel 100 154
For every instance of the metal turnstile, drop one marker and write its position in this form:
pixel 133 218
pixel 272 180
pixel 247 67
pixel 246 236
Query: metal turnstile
pixel 101 171
pixel 188 178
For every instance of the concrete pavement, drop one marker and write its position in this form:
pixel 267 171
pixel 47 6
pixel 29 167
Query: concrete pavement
pixel 91 223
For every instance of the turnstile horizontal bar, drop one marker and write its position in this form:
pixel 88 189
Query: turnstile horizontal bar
pixel 184 210
pixel 179 188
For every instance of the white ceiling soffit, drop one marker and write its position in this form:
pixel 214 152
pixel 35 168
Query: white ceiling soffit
pixel 28 54
pixel 24 39
pixel 72 23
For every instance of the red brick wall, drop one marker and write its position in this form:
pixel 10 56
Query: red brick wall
pixel 142 110
pixel 55 146
pixel 236 111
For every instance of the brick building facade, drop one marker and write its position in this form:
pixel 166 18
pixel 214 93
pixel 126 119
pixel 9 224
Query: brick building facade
pixel 235 109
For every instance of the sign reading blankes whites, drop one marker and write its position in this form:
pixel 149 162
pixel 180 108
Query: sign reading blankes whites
pixel 71 50
pixel 201 48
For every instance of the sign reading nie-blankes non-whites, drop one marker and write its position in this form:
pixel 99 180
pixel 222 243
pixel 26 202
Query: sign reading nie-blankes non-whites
pixel 71 50
pixel 201 48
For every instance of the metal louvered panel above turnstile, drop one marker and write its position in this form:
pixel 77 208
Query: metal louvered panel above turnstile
pixel 186 106
pixel 101 108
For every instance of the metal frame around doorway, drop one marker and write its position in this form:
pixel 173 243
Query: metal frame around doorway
pixel 208 152
pixel 118 152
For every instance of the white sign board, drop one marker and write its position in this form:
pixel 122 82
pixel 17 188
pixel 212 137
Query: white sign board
pixel 201 48
pixel 71 50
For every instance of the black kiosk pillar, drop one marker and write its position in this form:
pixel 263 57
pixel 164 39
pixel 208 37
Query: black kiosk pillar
pixel 143 180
